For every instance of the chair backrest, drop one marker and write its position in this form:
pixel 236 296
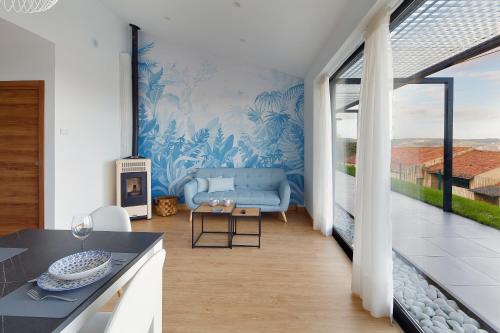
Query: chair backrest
pixel 111 218
pixel 135 311
pixel 261 179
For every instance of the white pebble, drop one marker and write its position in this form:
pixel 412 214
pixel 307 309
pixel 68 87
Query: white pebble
pixel 471 321
pixel 419 304
pixel 440 329
pixel 429 311
pixel 422 316
pixel 468 328
pixel 415 310
pixel 453 304
pixel 439 319
pixel 425 323
pixel 441 313
pixel 439 324
pixel 455 326
pixel 458 317
pixel 431 293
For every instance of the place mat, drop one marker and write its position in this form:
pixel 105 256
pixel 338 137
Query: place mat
pixel 9 252
pixel 18 304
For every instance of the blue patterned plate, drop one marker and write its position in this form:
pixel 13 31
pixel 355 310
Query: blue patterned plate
pixel 48 282
pixel 79 265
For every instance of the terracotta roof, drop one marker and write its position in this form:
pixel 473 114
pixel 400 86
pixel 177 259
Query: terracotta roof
pixel 490 191
pixel 408 156
pixel 351 159
pixel 471 164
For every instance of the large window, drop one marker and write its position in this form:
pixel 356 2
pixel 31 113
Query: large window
pixel 476 133
pixel 445 163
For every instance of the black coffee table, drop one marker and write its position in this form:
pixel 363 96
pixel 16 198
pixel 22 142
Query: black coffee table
pixel 246 214
pixel 205 210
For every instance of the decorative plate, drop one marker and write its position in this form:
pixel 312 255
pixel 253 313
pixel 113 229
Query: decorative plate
pixel 49 283
pixel 79 265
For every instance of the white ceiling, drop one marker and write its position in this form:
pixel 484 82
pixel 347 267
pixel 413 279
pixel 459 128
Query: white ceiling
pixel 285 35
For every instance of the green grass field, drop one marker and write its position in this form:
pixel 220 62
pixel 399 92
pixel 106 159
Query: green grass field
pixel 475 210
pixel 348 169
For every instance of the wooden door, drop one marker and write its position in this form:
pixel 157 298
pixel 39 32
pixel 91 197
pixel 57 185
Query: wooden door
pixel 21 155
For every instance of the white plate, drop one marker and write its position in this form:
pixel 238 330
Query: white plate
pixel 79 265
pixel 48 282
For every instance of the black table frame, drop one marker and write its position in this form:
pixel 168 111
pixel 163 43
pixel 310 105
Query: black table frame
pixel 235 230
pixel 194 242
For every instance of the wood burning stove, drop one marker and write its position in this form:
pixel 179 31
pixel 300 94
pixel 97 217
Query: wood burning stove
pixel 133 182
pixel 133 174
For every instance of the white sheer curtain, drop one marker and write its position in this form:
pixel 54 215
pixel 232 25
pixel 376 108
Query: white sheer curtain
pixel 372 262
pixel 322 155
pixel 125 104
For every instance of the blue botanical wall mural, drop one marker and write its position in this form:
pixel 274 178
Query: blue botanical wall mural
pixel 197 113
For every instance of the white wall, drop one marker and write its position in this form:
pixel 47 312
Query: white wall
pixel 35 62
pixel 345 38
pixel 88 39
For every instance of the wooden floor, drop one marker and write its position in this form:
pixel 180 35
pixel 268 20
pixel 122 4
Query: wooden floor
pixel 299 281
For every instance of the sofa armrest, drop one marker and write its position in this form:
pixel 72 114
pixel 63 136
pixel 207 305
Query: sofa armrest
pixel 190 190
pixel 284 192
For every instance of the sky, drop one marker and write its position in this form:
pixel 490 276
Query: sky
pixel 418 109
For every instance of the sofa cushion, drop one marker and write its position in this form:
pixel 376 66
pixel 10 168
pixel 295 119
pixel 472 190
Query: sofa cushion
pixel 241 197
pixel 202 184
pixel 220 184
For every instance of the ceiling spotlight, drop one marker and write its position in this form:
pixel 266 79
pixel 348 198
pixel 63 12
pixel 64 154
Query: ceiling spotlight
pixel 167 18
pixel 243 40
pixel 236 4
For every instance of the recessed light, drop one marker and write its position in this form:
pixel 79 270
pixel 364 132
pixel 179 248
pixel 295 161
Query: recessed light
pixel 243 40
pixel 236 4
pixel 167 18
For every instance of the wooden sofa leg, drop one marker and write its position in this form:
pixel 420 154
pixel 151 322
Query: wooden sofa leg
pixel 283 215
pixel 190 216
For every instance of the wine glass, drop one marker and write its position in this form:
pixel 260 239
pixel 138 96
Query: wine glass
pixel 82 226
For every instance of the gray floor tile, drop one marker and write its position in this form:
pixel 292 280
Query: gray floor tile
pixel 484 300
pixel 412 227
pixel 472 229
pixel 488 266
pixel 490 243
pixel 450 271
pixel 417 246
pixel 463 247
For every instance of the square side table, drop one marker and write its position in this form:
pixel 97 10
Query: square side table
pixel 246 213
pixel 219 211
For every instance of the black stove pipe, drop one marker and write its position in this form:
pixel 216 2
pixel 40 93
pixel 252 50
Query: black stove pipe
pixel 135 89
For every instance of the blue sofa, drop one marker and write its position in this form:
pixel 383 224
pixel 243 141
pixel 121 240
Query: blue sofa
pixel 265 188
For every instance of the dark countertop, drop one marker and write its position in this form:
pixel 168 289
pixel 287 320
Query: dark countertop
pixel 45 247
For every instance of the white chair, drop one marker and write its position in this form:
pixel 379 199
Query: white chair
pixel 111 218
pixel 140 305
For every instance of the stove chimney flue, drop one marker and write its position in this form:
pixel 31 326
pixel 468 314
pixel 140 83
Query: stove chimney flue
pixel 135 89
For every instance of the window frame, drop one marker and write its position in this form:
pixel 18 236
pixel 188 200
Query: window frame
pixel 407 7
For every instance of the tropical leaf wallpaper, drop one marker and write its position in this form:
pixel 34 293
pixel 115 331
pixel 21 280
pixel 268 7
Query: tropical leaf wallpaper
pixel 201 112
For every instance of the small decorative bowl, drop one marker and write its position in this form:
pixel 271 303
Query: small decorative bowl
pixel 227 202
pixel 213 202
pixel 79 265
